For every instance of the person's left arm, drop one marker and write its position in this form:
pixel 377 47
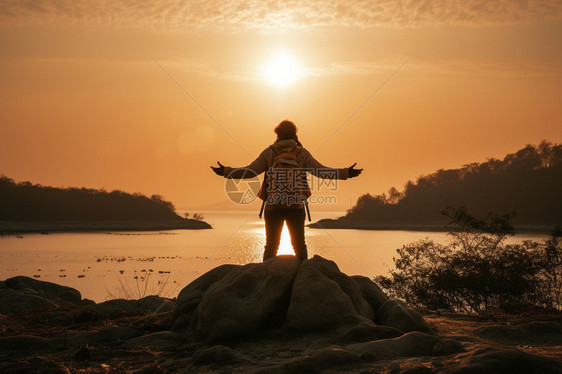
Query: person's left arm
pixel 258 166
pixel 326 172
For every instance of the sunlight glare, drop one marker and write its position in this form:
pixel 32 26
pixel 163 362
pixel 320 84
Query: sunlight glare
pixel 285 246
pixel 281 70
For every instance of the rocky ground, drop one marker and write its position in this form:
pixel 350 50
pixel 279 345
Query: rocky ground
pixel 279 316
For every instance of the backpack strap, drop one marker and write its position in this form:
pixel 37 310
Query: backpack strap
pixel 296 150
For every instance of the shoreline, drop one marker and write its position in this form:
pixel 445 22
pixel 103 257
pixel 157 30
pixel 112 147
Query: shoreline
pixel 397 226
pixel 14 228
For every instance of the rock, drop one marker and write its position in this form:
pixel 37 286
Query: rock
pixel 23 344
pixel 536 332
pixel 325 298
pixel 366 332
pixel 83 354
pixel 219 355
pixel 87 302
pixel 114 335
pixel 231 302
pixel 318 362
pixel 158 341
pixel 447 347
pixel 396 314
pixel 412 344
pixel 419 370
pixel 89 353
pixel 371 291
pixel 332 356
pixel 74 338
pixel 35 364
pixel 22 294
pixel 190 297
pixel 47 290
pixel 246 300
pixel 123 308
pixel 499 361
pixel 20 301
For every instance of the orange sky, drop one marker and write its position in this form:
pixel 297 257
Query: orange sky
pixel 83 104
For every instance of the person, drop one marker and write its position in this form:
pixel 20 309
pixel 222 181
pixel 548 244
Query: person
pixel 276 212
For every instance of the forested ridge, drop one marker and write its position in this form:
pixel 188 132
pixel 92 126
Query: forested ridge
pixel 527 183
pixel 25 201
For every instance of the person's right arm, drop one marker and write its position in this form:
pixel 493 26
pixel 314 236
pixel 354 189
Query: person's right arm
pixel 322 171
pixel 258 166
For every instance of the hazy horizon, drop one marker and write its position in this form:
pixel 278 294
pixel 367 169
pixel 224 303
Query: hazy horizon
pixel 89 98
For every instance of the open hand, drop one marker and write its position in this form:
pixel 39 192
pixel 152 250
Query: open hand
pixel 219 170
pixel 354 172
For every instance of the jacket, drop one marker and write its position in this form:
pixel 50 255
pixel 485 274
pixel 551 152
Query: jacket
pixel 266 159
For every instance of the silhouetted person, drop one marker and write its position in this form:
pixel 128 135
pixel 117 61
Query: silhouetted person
pixel 285 156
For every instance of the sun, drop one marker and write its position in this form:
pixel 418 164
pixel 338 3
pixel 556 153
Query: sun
pixel 281 70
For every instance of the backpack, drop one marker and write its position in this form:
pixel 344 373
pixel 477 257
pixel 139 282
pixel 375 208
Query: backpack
pixel 285 185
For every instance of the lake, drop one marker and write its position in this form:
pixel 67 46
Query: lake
pixel 132 264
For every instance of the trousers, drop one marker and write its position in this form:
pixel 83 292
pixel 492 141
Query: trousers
pixel 274 219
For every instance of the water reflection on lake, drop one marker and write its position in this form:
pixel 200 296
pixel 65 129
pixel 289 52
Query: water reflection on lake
pixel 104 265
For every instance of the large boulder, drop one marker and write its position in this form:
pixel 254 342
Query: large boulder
pixel 364 332
pixel 190 297
pixel 412 344
pixel 124 308
pixel 20 301
pixel 396 314
pixel 371 292
pixel 499 361
pixel 233 301
pixel 536 332
pixel 68 294
pixel 53 293
pixel 247 299
pixel 325 298
pixel 22 294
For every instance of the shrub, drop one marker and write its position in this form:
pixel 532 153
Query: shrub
pixel 476 270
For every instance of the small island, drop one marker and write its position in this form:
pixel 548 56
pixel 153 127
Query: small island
pixel 33 208
pixel 525 186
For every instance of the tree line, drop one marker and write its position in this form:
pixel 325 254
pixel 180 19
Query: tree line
pixel 25 201
pixel 526 183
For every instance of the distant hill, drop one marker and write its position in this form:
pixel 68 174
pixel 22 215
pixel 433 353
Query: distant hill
pixel 527 183
pixel 25 202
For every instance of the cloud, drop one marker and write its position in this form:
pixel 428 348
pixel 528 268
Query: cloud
pixel 489 68
pixel 433 66
pixel 176 15
pixel 383 68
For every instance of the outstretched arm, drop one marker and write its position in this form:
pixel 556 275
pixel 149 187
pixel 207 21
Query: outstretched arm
pixel 326 172
pixel 258 166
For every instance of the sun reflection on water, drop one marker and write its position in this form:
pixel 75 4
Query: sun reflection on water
pixel 256 248
pixel 285 246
